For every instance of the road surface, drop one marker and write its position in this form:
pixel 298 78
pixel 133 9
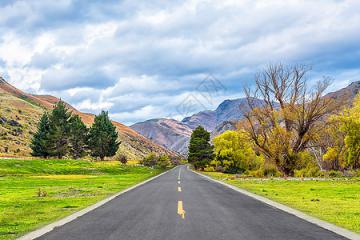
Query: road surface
pixel 183 205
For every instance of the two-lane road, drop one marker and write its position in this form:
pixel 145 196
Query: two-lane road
pixel 183 205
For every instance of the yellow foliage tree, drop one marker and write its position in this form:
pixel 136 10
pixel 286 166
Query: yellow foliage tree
pixel 350 125
pixel 234 153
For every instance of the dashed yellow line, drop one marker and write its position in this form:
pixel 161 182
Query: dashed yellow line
pixel 181 210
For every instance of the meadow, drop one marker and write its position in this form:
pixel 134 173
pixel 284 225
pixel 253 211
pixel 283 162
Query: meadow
pixel 333 200
pixel 34 193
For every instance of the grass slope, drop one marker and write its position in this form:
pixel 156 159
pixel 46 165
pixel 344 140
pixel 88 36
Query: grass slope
pixel 70 185
pixel 333 200
pixel 15 138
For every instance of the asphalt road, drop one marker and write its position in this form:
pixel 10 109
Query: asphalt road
pixel 192 208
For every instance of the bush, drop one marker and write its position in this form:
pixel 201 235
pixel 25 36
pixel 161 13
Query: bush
pixel 309 171
pixel 209 169
pixel 334 173
pixel 150 160
pixel 219 169
pixel 41 193
pixel 176 161
pixel 266 170
pixel 270 170
pixel 122 158
pixel 255 173
pixel 163 161
pixel 352 173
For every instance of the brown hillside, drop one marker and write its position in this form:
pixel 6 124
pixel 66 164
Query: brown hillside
pixel 346 94
pixel 20 112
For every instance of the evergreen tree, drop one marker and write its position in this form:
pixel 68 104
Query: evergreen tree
pixel 78 137
pixel 103 137
pixel 200 149
pixel 39 142
pixel 59 131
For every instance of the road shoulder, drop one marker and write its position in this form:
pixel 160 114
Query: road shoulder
pixel 323 224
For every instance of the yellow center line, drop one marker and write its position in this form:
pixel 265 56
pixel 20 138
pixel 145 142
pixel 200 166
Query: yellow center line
pixel 181 210
pixel 179 189
pixel 179 174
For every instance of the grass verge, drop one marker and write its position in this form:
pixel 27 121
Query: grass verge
pixel 34 193
pixel 333 200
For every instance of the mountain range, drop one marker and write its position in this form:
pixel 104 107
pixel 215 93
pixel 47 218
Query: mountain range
pixel 20 113
pixel 175 135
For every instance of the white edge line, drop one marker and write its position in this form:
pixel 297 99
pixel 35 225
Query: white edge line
pixel 48 228
pixel 326 225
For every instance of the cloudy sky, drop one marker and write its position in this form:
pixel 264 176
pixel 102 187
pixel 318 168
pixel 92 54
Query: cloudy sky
pixel 147 59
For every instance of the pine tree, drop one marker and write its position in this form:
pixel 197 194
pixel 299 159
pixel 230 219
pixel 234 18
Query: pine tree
pixel 78 137
pixel 59 131
pixel 103 137
pixel 200 149
pixel 39 142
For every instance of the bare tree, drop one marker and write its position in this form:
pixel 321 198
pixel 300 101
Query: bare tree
pixel 288 116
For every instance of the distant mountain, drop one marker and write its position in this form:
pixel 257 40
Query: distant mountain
pixel 169 133
pixel 346 94
pixel 228 110
pixel 20 113
pixel 207 119
pixel 175 135
pixel 224 126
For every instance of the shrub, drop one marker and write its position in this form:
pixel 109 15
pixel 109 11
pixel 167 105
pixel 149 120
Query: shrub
pixel 334 173
pixel 219 169
pixel 176 161
pixel 122 158
pixel 150 160
pixel 255 173
pixel 209 169
pixel 270 170
pixel 163 161
pixel 309 171
pixel 41 193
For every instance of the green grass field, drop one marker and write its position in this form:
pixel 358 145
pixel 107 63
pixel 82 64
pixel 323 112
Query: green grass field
pixel 333 200
pixel 36 192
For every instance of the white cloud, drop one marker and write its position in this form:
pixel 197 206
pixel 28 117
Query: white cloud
pixel 146 112
pixel 88 105
pixel 142 59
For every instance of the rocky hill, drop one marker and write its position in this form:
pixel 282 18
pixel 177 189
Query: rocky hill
pixel 207 119
pixel 20 113
pixel 228 110
pixel 169 133
pixel 346 94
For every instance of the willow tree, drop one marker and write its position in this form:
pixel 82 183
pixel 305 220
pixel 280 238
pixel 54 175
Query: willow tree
pixel 283 123
pixel 350 126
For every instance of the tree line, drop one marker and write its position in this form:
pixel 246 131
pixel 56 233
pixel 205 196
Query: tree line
pixel 290 130
pixel 61 133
